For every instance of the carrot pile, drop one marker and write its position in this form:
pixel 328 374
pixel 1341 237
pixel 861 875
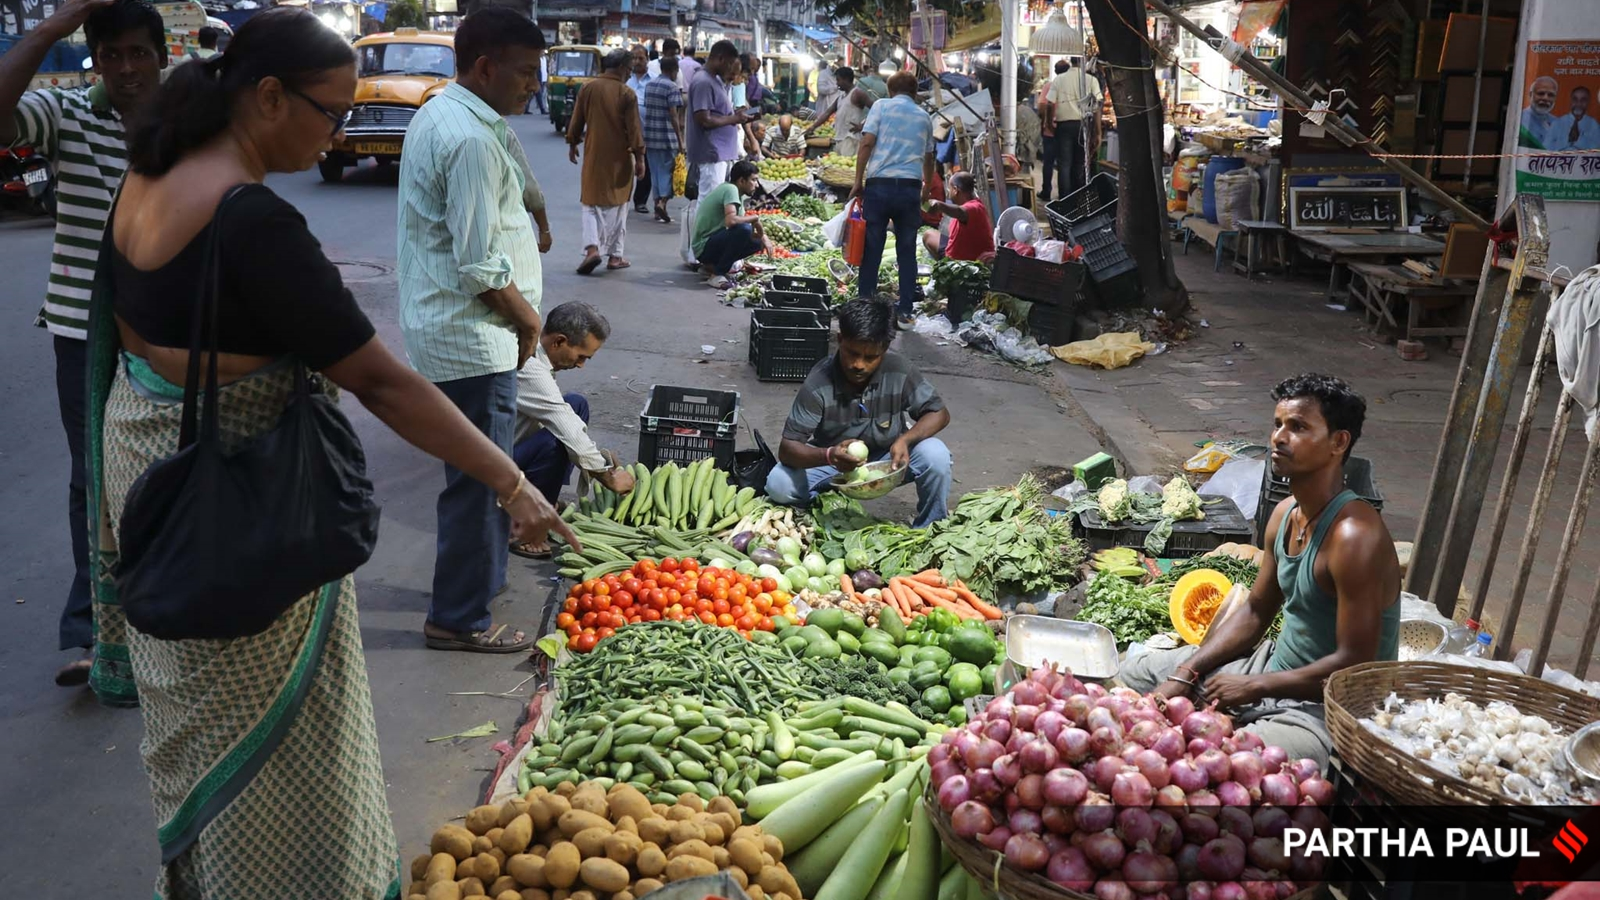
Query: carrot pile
pixel 915 595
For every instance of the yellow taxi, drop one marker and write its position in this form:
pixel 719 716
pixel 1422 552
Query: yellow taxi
pixel 398 72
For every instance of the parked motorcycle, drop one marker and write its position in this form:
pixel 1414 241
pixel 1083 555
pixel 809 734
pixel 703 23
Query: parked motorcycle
pixel 28 180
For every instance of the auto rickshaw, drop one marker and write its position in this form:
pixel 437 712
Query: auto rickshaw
pixel 571 66
pixel 788 79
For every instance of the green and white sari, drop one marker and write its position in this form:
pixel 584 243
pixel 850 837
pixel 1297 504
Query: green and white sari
pixel 262 751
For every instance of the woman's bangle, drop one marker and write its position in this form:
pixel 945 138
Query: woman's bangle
pixel 508 499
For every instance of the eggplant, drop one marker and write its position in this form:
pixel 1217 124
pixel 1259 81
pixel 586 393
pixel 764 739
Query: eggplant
pixel 866 579
pixel 741 540
pixel 765 556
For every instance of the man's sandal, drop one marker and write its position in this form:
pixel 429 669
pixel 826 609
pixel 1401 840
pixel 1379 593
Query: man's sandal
pixel 525 550
pixel 493 640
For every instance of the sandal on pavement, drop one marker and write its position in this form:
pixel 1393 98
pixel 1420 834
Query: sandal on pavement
pixel 76 673
pixel 527 550
pixel 618 264
pixel 589 264
pixel 494 640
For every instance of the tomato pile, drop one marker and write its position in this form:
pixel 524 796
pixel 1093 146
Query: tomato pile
pixel 674 589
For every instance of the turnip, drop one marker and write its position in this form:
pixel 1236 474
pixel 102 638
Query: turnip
pixel 857 451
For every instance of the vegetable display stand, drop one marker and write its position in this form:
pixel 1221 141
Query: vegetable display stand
pixel 1036 279
pixel 786 343
pixel 1223 524
pixel 1357 477
pixel 681 425
pixel 1360 690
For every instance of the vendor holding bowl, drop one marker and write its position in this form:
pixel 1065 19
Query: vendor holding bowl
pixel 864 404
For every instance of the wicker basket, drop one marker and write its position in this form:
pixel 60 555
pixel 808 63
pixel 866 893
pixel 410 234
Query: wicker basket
pixel 1359 691
pixel 1000 880
pixel 835 176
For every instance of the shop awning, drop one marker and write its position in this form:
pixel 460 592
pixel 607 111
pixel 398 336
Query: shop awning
pixel 822 35
pixel 976 34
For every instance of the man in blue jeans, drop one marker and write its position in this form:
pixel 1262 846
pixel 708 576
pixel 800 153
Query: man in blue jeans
pixel 723 234
pixel 894 171
pixel 864 393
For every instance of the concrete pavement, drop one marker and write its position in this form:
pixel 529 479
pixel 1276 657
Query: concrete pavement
pixel 74 781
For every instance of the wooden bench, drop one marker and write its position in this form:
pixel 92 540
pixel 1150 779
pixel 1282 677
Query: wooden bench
pixel 1383 287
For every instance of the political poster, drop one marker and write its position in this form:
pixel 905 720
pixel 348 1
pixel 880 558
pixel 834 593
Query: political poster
pixel 1558 136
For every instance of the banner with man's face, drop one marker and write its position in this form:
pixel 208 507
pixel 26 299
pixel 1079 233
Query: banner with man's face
pixel 1557 114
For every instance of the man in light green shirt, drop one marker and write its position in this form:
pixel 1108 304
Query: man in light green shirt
pixel 470 286
pixel 723 234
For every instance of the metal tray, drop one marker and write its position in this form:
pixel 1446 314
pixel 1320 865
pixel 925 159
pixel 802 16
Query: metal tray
pixel 1087 649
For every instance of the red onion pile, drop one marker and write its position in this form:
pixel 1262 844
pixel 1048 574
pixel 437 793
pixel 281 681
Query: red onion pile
pixel 1126 796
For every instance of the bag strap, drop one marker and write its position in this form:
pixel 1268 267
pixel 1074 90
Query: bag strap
pixel 203 334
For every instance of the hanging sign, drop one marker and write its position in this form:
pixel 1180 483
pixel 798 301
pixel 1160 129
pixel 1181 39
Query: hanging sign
pixel 1557 114
pixel 1320 208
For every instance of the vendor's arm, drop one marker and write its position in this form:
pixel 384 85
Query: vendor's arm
pixel 953 210
pixel 825 114
pixel 927 411
pixel 1365 586
pixel 731 216
pixel 539 399
pixel 1239 634
pixel 796 450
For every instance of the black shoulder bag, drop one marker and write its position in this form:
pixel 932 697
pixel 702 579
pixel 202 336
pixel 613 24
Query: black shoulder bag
pixel 216 544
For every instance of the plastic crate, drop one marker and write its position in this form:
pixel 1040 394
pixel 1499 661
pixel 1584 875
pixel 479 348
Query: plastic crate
pixel 1097 197
pixel 799 284
pixel 1035 279
pixel 1357 477
pixel 682 424
pixel 1103 252
pixel 1119 291
pixel 1053 325
pixel 961 302
pixel 799 300
pixel 1223 524
pixel 786 343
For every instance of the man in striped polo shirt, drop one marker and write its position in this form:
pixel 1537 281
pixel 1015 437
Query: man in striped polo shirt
pixel 470 288
pixel 80 130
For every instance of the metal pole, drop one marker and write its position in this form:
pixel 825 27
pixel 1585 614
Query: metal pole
pixel 1346 135
pixel 1008 77
pixel 1569 541
pixel 1508 484
pixel 1586 649
pixel 1535 526
pixel 1477 93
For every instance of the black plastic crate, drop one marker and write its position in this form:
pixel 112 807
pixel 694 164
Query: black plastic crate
pixel 1097 197
pixel 1119 291
pixel 1033 279
pixel 786 343
pixel 798 300
pixel 682 424
pixel 961 301
pixel 799 284
pixel 1357 477
pixel 1103 252
pixel 1223 524
pixel 1053 325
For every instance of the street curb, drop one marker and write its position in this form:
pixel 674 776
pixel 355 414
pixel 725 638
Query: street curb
pixel 1120 431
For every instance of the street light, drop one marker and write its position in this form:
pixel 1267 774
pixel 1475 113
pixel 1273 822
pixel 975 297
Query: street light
pixel 887 68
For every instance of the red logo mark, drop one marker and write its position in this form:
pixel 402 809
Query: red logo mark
pixel 1570 841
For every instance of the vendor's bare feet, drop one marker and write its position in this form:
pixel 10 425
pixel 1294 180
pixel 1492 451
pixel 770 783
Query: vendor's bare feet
pixel 494 639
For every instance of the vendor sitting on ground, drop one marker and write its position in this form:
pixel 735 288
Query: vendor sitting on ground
pixel 1331 568
pixel 864 393
pixel 723 234
pixel 786 140
pixel 553 428
pixel 970 234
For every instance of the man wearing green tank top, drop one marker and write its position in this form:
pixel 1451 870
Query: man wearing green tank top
pixel 1330 567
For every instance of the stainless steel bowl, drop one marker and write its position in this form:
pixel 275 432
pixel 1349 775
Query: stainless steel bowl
pixel 885 478
pixel 1421 637
pixel 1582 753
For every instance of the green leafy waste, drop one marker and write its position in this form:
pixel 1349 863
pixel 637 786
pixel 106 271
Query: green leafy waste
pixel 487 729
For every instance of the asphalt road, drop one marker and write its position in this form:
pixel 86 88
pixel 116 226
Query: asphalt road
pixel 77 801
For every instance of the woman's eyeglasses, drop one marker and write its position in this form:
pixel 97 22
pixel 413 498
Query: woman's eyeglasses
pixel 339 121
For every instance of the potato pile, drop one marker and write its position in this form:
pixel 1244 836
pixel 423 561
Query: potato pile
pixel 582 842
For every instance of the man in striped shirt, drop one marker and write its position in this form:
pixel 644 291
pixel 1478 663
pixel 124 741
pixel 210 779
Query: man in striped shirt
pixel 81 131
pixel 470 287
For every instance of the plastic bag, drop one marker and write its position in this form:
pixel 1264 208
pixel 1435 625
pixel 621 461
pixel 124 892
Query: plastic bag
pixel 1240 481
pixel 1050 251
pixel 680 174
pixel 1108 351
pixel 1213 455
pixel 992 333
pixel 833 230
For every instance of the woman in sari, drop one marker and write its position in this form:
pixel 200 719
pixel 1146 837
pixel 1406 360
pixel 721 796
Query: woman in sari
pixel 261 750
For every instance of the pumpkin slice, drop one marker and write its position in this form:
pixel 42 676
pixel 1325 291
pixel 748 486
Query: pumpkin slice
pixel 1195 600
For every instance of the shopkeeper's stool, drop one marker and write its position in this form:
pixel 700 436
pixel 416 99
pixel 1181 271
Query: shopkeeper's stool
pixel 1251 233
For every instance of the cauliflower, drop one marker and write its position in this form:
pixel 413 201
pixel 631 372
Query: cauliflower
pixel 1179 501
pixel 1114 503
